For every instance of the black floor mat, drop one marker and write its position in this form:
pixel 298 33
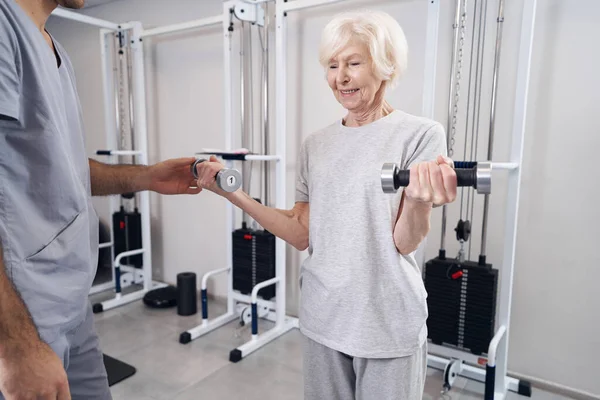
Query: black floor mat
pixel 117 370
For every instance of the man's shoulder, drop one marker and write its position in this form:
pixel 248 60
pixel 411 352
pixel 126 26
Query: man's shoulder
pixel 8 26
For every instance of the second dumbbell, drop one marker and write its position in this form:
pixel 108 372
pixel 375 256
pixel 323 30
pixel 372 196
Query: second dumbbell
pixel 228 179
pixel 478 177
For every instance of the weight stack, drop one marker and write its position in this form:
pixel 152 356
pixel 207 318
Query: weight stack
pixel 253 261
pixel 127 234
pixel 462 303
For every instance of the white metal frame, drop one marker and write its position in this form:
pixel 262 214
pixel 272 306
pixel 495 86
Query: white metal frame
pixel 275 309
pixel 497 357
pixel 131 274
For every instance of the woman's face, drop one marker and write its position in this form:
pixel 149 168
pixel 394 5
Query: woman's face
pixel 350 75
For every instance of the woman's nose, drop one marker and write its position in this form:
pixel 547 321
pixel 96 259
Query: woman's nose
pixel 342 76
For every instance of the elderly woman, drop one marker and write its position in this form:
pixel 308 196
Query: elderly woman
pixel 363 308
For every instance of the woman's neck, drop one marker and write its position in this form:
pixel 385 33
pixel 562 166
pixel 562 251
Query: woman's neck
pixel 360 118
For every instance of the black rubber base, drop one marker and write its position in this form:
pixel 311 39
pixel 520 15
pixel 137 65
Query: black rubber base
pixel 185 338
pixel 117 370
pixel 164 297
pixel 525 388
pixel 97 308
pixel 235 355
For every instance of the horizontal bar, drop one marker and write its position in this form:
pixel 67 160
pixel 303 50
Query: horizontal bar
pixel 126 26
pixel 300 4
pixel 118 152
pixel 104 245
pixel 100 23
pixel 185 26
pixel 101 287
pixel 507 165
pixel 209 326
pixel 243 298
pixel 262 158
pixel 473 373
pixel 120 300
pixel 259 341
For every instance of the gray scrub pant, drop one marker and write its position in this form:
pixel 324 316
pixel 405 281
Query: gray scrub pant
pixel 331 375
pixel 80 351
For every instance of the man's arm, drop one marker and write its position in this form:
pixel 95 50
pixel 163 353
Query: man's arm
pixel 29 368
pixel 167 177
pixel 118 179
pixel 16 324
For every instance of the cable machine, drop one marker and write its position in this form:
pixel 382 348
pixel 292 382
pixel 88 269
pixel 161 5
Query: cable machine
pixel 256 269
pixel 469 301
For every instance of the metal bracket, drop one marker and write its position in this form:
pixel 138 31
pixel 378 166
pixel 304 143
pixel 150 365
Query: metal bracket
pixel 251 11
pixel 132 278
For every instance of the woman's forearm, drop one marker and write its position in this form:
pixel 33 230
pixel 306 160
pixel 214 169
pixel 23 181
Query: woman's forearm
pixel 412 226
pixel 289 225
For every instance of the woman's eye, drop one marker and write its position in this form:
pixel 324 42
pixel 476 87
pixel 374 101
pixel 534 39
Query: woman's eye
pixel 332 66
pixel 355 64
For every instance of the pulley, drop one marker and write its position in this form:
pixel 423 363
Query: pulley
pixel 463 230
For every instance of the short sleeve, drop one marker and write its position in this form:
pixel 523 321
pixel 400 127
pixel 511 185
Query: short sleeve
pixel 302 192
pixel 431 144
pixel 10 82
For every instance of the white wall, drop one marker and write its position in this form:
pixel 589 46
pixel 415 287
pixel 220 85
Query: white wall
pixel 555 331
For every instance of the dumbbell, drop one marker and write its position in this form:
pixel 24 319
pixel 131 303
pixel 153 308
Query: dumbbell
pixel 228 179
pixel 474 174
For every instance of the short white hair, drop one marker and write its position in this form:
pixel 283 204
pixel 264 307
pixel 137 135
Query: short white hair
pixel 382 35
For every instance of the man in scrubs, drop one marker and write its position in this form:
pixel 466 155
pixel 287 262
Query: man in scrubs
pixel 48 227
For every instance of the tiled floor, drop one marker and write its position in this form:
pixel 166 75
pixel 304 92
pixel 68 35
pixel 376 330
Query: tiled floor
pixel 148 339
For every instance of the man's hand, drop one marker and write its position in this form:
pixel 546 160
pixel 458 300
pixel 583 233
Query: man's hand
pixel 173 177
pixel 32 371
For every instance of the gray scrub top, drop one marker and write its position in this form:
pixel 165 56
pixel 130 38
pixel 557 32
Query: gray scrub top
pixel 48 226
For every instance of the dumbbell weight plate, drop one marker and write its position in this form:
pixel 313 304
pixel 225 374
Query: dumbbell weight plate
pixel 229 180
pixel 387 177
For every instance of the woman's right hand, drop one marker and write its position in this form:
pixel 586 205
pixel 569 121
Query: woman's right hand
pixel 207 172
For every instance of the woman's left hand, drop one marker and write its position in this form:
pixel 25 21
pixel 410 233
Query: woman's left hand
pixel 432 182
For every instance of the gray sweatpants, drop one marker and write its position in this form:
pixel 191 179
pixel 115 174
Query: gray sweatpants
pixel 331 375
pixel 80 352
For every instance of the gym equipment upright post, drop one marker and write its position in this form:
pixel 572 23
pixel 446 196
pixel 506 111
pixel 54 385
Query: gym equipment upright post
pixel 248 307
pixel 125 275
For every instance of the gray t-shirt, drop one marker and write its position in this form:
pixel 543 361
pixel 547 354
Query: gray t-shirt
pixel 48 227
pixel 359 295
